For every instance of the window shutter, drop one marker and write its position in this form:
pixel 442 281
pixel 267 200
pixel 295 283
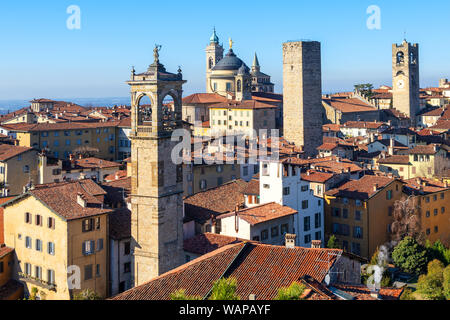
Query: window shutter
pixel 84 248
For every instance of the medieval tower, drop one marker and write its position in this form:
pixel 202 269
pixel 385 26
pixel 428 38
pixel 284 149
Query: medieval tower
pixel 214 53
pixel 405 78
pixel 157 182
pixel 302 95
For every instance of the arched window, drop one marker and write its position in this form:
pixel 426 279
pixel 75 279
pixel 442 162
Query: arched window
pixel 239 86
pixel 412 58
pixel 400 57
pixel 144 111
pixel 211 63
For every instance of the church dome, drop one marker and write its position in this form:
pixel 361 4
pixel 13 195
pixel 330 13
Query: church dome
pixel 230 62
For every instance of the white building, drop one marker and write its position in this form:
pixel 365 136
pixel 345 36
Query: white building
pixel 282 183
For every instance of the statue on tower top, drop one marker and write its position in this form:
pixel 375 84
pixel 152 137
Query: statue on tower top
pixel 156 52
pixel 231 43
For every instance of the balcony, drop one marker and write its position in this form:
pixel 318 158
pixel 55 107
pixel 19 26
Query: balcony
pixel 35 281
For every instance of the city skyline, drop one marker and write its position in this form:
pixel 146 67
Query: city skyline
pixel 95 61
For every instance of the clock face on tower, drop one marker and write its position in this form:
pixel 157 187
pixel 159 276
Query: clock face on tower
pixel 401 84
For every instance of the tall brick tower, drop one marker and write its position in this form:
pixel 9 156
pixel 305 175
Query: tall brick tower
pixel 302 95
pixel 157 183
pixel 214 53
pixel 405 78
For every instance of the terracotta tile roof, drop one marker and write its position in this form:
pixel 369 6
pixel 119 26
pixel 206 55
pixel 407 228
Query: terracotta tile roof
pixel 120 224
pixel 437 112
pixel 442 125
pixel 5 250
pixel 95 163
pixel 316 176
pixel 346 105
pixel 259 269
pixel 424 186
pixel 61 198
pixel 117 191
pixel 203 98
pixel 8 151
pixel 25 127
pixel 244 104
pixel 363 125
pixel 361 292
pixel 252 187
pixel 387 143
pixel 262 213
pixel 331 127
pixel 267 96
pixel 395 159
pixel 430 149
pixel 207 242
pixel 362 189
pixel 119 175
pixel 202 205
pixel 335 165
pixel 328 146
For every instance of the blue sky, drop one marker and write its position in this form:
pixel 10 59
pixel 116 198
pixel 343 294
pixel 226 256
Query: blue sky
pixel 40 57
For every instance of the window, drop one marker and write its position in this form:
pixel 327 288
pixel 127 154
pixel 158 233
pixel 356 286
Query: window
pixel 428 232
pixel 67 133
pixel 51 276
pixel 284 229
pixel 127 248
pixel 1 267
pixel 88 247
pixel 38 220
pixel 219 169
pixel 38 245
pixel 88 272
pixel 317 220
pixel 389 195
pixel 26 169
pixel 435 211
pixel 274 232
pixel 358 203
pixel 28 269
pixel 345 213
pixel 436 229
pixel 336 212
pixel 99 244
pixel 428 214
pixel 266 186
pixel 219 181
pixel 356 248
pixel 88 225
pixel 307 238
pixel 357 233
pixel 443 210
pixel 306 223
pixel 318 235
pixel 127 267
pixel 38 272
pixel 203 184
pixel 28 244
pixel 51 223
pixel 305 204
pixel 51 248
pixel 358 215
pixel 427 199
pixel 442 196
pixel 264 235
pixel 286 191
pixel 345 200
pixel 97 271
pixel 28 217
pixel 304 188
pixel 435 197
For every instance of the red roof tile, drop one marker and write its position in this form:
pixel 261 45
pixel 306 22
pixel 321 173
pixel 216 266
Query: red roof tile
pixel 207 242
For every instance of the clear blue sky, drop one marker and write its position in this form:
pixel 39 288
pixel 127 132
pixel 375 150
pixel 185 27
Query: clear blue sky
pixel 40 57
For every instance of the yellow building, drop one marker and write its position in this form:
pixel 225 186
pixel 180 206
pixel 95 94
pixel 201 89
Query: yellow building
pixel 398 165
pixel 359 213
pixel 433 200
pixel 63 139
pixel 60 235
pixel 18 167
pixel 9 288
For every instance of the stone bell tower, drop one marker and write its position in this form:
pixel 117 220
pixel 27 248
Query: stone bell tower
pixel 405 79
pixel 214 53
pixel 157 182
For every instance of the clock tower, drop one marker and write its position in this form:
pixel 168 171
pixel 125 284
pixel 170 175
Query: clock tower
pixel 156 181
pixel 405 79
pixel 214 53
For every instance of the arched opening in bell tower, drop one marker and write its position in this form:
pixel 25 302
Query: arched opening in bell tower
pixel 400 57
pixel 144 110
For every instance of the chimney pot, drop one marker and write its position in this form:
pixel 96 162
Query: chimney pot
pixel 375 187
pixel 290 240
pixel 316 244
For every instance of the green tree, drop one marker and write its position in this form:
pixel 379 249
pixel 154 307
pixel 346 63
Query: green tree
pixel 438 251
pixel 410 256
pixel 407 295
pixel 225 290
pixel 293 292
pixel 431 285
pixel 332 243
pixel 366 89
pixel 446 284
pixel 181 295
pixel 87 294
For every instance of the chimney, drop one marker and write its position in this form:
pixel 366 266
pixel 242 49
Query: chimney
pixel 290 240
pixel 391 147
pixel 81 200
pixel 252 297
pixel 375 294
pixel 316 244
pixel 375 187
